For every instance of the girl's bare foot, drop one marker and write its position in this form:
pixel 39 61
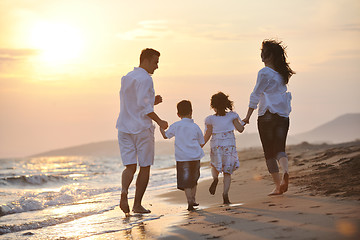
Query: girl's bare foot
pixel 213 186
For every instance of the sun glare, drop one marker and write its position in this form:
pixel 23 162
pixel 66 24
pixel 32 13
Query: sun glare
pixel 58 42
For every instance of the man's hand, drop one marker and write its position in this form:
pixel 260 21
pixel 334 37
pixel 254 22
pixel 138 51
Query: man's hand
pixel 158 99
pixel 163 124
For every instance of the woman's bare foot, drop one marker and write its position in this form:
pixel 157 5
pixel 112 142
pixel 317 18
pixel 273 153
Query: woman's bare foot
pixel 140 209
pixel 275 192
pixel 285 183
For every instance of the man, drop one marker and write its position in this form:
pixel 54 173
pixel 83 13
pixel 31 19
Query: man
pixel 135 127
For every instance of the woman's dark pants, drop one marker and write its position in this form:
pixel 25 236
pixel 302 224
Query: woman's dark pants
pixel 273 131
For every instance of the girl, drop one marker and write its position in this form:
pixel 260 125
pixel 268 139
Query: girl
pixel 220 127
pixel 270 92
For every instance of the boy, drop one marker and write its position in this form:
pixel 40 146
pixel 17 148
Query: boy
pixel 189 141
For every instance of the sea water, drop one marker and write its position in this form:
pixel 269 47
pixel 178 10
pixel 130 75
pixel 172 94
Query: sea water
pixel 63 197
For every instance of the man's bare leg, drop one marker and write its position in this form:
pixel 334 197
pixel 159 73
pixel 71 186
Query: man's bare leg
pixel 141 185
pixel 126 179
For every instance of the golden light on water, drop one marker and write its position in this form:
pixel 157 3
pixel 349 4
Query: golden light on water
pixel 346 228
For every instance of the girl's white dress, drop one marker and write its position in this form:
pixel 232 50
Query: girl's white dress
pixel 223 152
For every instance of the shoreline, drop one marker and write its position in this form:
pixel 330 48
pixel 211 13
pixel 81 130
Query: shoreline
pixel 308 210
pixel 319 204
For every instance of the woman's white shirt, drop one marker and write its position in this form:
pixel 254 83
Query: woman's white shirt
pixel 270 93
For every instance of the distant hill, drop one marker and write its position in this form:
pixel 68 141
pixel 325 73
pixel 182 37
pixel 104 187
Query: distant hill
pixel 345 128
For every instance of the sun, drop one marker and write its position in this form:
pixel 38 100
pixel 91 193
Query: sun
pixel 58 42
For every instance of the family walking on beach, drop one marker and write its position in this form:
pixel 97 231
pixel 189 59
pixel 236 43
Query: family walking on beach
pixel 136 129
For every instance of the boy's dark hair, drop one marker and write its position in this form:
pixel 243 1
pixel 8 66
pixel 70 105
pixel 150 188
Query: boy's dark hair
pixel 220 102
pixel 148 53
pixel 184 108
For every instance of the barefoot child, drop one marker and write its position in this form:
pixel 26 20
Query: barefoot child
pixel 220 127
pixel 188 151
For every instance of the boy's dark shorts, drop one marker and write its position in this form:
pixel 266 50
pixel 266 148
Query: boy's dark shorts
pixel 188 173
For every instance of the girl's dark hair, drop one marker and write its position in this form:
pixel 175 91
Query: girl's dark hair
pixel 275 49
pixel 220 103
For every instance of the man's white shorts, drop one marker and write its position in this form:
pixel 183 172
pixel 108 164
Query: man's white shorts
pixel 137 148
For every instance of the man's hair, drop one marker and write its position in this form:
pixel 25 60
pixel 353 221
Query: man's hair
pixel 184 108
pixel 148 53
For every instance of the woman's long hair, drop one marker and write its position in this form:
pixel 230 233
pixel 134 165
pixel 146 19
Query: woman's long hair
pixel 275 50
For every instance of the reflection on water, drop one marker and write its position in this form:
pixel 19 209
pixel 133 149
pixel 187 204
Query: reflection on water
pixel 73 197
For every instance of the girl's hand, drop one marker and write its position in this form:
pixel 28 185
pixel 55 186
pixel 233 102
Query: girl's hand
pixel 246 121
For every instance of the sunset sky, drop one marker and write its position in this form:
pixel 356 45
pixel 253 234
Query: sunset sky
pixel 61 62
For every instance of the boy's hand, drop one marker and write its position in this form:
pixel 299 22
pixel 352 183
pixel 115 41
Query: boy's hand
pixel 158 99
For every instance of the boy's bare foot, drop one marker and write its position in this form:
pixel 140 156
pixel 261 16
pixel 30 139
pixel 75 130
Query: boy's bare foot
pixel 213 185
pixel 124 206
pixel 140 209
pixel 226 199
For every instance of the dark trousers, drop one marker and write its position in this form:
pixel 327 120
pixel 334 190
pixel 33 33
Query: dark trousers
pixel 273 131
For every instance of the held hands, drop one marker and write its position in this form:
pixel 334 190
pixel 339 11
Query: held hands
pixel 158 99
pixel 246 120
pixel 163 124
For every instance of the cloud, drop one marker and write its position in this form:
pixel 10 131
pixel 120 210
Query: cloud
pixel 16 54
pixel 148 30
pixel 349 27
pixel 14 60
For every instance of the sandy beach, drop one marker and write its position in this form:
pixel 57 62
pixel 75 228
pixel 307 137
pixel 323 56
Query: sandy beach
pixel 323 201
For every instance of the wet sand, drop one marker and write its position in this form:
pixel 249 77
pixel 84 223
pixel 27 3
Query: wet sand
pixel 323 201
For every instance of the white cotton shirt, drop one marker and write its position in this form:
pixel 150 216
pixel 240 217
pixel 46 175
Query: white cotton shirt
pixel 188 137
pixel 222 124
pixel 270 93
pixel 137 98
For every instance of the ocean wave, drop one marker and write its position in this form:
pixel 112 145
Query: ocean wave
pixel 9 228
pixel 69 194
pixel 33 180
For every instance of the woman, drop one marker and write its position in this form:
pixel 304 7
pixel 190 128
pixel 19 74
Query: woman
pixel 270 93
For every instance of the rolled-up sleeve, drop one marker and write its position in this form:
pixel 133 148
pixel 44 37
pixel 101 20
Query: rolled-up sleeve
pixel 146 96
pixel 261 84
pixel 170 132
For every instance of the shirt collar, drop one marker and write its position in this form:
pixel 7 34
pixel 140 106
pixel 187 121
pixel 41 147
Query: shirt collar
pixel 141 69
pixel 187 120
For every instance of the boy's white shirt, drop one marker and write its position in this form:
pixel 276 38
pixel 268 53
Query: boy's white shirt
pixel 188 137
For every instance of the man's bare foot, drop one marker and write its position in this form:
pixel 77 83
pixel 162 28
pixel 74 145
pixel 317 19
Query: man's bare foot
pixel 124 205
pixel 140 209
